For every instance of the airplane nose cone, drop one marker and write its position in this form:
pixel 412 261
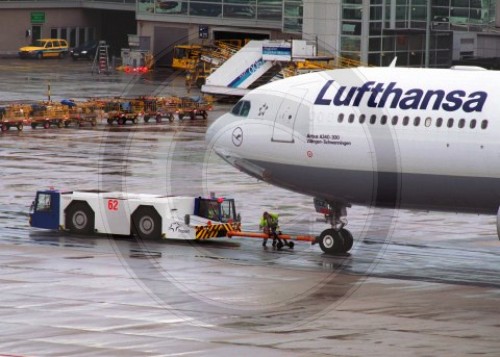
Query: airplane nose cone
pixel 214 130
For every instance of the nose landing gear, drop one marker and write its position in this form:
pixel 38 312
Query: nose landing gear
pixel 336 240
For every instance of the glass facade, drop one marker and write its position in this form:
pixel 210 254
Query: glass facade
pixel 283 14
pixel 376 31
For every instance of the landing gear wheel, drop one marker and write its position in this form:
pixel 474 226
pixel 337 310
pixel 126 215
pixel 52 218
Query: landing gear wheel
pixel 80 218
pixel 331 241
pixel 348 240
pixel 146 223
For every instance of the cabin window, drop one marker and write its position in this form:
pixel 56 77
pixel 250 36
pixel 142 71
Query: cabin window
pixel 439 122
pixel 406 120
pixel 428 122
pixel 241 109
pixel 43 202
pixel 461 123
pixel 416 121
pixel 351 118
pixel 362 118
pixel 473 123
pixel 383 119
pixel 450 123
pixel 373 119
pixel 340 118
pixel 484 124
pixel 395 120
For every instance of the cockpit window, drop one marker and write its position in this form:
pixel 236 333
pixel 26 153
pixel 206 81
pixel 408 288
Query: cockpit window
pixel 241 109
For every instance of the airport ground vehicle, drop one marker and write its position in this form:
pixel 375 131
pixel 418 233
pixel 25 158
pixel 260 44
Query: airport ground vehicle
pixel 144 215
pixel 123 110
pixel 86 50
pixel 16 115
pixel 194 106
pixel 81 113
pixel 45 48
pixel 158 108
pixel 47 114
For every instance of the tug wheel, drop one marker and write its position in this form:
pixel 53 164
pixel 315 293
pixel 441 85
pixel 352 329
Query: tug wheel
pixel 146 223
pixel 79 218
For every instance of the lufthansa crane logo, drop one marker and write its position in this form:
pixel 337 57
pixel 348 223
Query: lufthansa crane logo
pixel 237 136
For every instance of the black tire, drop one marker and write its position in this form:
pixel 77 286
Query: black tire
pixel 348 239
pixel 181 116
pixel 5 127
pixel 110 121
pixel 158 118
pixel 192 115
pixel 146 118
pixel 46 125
pixel 146 223
pixel 205 115
pixel 331 241
pixel 39 55
pixel 60 124
pixel 33 125
pixel 20 127
pixel 80 218
pixel 170 117
pixel 121 121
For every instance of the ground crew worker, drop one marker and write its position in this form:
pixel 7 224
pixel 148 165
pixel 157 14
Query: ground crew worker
pixel 269 225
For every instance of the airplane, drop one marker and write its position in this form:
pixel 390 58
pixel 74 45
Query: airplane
pixel 406 138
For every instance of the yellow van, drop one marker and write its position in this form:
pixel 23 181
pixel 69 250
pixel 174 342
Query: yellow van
pixel 44 48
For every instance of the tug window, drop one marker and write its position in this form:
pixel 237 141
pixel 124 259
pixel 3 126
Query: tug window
pixel 484 124
pixel 351 118
pixel 473 123
pixel 43 202
pixel 241 109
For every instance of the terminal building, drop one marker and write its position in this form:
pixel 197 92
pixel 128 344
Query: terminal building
pixel 372 32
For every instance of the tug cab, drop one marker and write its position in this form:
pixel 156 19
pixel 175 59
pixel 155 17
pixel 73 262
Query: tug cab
pixel 216 209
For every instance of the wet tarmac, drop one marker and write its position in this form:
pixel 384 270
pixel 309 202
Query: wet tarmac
pixel 415 284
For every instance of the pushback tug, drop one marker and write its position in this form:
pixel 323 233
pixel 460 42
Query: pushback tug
pixel 146 215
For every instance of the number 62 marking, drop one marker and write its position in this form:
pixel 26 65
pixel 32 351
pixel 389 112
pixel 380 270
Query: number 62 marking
pixel 113 205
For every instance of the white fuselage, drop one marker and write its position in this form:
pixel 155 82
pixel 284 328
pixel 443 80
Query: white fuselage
pixel 391 137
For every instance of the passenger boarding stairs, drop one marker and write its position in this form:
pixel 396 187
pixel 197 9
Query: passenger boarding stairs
pixel 237 73
pixel 101 59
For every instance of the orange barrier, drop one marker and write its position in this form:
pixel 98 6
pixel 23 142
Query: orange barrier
pixel 264 235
